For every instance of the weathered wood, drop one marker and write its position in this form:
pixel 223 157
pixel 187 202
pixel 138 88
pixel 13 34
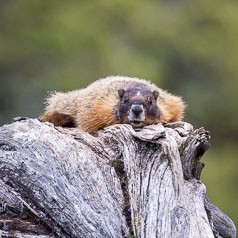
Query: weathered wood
pixel 57 182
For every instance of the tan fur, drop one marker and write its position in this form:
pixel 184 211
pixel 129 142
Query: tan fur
pixel 94 107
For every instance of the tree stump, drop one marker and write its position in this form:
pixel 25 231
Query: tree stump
pixel 58 182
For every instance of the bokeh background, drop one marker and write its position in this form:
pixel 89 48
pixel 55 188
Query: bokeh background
pixel 188 47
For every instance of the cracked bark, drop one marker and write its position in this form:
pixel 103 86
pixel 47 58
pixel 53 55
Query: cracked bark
pixel 57 182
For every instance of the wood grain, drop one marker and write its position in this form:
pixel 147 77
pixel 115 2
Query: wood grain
pixel 58 182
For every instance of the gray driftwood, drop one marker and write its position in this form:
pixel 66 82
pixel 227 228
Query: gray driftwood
pixel 57 182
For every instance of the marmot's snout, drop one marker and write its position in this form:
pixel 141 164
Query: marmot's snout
pixel 136 115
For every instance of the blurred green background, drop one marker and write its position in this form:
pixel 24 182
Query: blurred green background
pixel 189 48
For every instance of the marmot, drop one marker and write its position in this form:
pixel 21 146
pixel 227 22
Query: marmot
pixel 113 100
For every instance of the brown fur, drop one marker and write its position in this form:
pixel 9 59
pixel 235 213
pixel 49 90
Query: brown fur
pixel 96 106
pixel 59 119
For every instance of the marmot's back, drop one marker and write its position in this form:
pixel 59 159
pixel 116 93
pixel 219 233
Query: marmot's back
pixel 113 100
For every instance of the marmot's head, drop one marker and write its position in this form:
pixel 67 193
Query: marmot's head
pixel 138 106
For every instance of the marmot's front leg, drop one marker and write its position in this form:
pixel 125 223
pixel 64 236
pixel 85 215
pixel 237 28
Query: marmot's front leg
pixel 58 119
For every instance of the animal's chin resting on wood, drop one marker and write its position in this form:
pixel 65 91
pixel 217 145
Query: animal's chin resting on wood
pixel 62 182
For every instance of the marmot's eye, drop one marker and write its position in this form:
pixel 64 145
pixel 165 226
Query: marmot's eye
pixel 125 100
pixel 150 100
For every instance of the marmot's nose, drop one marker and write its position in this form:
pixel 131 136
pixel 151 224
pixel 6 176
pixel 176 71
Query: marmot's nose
pixel 137 109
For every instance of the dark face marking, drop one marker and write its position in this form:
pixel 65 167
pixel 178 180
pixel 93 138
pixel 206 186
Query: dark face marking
pixel 138 107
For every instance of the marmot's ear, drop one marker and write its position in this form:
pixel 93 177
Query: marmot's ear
pixel 121 92
pixel 155 94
